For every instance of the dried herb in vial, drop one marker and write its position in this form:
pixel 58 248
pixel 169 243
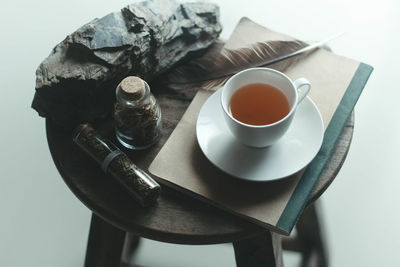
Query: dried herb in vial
pixel 137 116
pixel 116 163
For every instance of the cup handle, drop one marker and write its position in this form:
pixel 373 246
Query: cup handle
pixel 302 86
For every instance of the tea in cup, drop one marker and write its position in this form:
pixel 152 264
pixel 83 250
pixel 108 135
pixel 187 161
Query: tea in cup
pixel 259 104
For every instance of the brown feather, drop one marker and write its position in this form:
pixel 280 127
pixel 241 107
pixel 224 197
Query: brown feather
pixel 217 65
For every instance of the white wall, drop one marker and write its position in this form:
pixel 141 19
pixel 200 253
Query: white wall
pixel 43 224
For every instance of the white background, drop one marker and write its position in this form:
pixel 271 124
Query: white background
pixel 43 224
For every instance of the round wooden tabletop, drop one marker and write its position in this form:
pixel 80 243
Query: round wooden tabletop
pixel 176 218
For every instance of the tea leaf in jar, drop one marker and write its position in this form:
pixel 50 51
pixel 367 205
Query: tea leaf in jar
pixel 138 122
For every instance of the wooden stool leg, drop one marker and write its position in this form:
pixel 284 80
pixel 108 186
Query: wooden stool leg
pixel 105 244
pixel 131 244
pixel 311 238
pixel 260 251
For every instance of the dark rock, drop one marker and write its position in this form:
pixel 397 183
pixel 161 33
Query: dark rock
pixel 77 81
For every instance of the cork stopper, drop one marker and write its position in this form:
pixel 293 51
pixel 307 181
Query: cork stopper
pixel 132 88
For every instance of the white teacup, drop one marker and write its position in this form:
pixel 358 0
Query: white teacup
pixel 263 135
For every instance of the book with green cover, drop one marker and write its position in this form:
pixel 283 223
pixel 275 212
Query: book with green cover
pixel 313 171
pixel 336 81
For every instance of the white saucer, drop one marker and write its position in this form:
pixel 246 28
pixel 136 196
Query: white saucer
pixel 289 155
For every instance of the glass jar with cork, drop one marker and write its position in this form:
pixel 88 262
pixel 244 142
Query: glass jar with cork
pixel 137 115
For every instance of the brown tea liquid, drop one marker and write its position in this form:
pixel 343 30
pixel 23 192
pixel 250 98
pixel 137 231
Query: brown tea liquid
pixel 259 104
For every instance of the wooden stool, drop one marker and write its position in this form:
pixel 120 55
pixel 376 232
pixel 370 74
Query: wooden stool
pixel 177 218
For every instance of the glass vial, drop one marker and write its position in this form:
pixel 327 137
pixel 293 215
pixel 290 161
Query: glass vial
pixel 112 161
pixel 137 115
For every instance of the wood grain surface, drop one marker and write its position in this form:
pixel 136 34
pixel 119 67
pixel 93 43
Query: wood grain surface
pixel 175 218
